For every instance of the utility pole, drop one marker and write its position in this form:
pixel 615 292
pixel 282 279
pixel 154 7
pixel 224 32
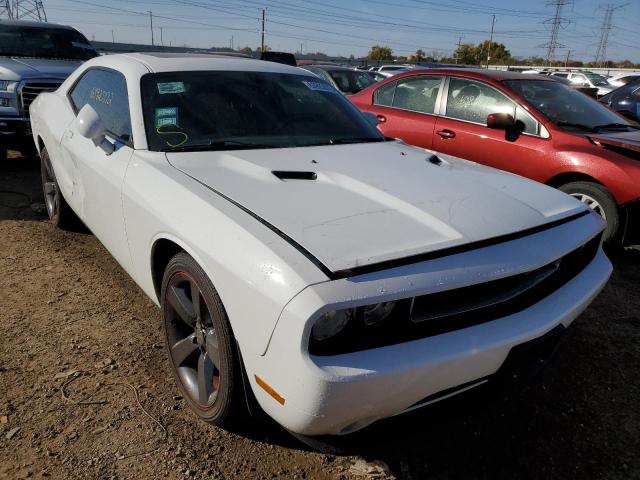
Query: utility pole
pixel 151 24
pixel 113 37
pixel 566 62
pixel 262 47
pixel 161 36
pixel 601 53
pixel 556 23
pixel 490 41
pixel 23 9
pixel 5 10
pixel 458 50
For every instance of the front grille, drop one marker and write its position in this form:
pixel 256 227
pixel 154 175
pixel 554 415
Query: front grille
pixel 438 313
pixel 32 88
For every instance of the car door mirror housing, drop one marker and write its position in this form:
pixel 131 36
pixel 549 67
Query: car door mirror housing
pixel 501 121
pixel 89 124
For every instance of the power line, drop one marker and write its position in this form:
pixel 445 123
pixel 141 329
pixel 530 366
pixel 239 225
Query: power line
pixel 23 10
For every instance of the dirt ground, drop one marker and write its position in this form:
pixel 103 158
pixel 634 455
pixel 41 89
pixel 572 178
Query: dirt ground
pixel 86 391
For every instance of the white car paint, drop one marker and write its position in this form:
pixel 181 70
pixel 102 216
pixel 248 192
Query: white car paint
pixel 256 237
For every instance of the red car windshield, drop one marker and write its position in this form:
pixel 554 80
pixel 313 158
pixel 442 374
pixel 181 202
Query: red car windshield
pixel 565 106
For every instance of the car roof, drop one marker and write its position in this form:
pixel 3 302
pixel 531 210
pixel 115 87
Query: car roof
pixel 25 23
pixel 497 75
pixel 173 62
pixel 330 67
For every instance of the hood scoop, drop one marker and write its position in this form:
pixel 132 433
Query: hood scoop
pixel 294 175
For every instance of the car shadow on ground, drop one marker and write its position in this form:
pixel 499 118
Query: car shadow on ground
pixel 20 188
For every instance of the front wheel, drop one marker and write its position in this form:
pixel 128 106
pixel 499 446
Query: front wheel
pixel 598 198
pixel 200 343
pixel 60 213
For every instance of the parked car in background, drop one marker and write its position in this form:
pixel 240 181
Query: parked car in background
pixel 531 125
pixel 379 76
pixel 346 80
pixel 586 79
pixel 279 57
pixel 623 78
pixel 35 57
pixel 625 100
pixel 298 256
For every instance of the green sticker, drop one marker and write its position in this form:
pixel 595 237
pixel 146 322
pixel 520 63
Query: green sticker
pixel 171 87
pixel 166 116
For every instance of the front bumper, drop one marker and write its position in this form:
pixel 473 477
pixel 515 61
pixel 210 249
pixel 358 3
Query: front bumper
pixel 342 393
pixel 14 130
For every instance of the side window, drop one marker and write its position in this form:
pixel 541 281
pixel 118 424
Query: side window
pixel 417 93
pixel 384 95
pixel 473 101
pixel 106 92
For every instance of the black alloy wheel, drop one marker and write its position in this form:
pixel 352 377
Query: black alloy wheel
pixel 200 342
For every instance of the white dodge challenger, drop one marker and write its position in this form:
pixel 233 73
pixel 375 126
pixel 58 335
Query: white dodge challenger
pixel 296 254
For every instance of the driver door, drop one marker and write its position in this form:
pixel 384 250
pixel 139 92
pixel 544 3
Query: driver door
pixel 98 176
pixel 462 130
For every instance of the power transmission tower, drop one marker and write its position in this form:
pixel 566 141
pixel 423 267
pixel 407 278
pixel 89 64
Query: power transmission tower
pixel 601 54
pixel 28 10
pixel 556 22
pixel 458 50
pixel 5 10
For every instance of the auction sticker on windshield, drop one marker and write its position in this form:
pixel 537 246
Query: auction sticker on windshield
pixel 171 87
pixel 320 86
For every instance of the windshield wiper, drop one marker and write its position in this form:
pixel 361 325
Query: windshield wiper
pixel 615 125
pixel 217 145
pixel 576 125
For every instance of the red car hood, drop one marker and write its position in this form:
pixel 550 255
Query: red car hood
pixel 626 140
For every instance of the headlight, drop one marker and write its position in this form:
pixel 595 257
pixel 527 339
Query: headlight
pixel 7 85
pixel 331 323
pixel 374 314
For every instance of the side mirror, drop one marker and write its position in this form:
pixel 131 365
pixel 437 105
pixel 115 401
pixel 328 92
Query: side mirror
pixel 501 121
pixel 89 124
pixel 372 118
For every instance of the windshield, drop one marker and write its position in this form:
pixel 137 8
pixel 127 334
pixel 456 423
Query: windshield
pixel 351 81
pixel 62 43
pixel 565 106
pixel 225 110
pixel 597 80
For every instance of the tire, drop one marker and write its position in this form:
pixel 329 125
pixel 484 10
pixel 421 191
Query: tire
pixel 58 209
pixel 201 347
pixel 600 200
pixel 3 154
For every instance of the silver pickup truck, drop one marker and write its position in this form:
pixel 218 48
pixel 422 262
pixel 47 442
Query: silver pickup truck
pixel 34 57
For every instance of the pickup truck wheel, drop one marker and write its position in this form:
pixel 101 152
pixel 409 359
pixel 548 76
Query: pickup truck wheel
pixel 201 346
pixel 59 211
pixel 598 198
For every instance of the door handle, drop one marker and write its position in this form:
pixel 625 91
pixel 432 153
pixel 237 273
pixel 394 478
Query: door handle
pixel 446 133
pixel 68 135
pixel 381 118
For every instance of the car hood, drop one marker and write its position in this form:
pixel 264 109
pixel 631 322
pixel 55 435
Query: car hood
pixel 364 204
pixel 18 68
pixel 625 140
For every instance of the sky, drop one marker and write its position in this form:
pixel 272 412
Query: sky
pixel 345 27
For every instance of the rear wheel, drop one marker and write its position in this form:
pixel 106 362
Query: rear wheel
pixel 598 198
pixel 59 211
pixel 200 343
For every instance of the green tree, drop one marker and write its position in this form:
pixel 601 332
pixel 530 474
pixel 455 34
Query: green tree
pixel 380 53
pixel 266 48
pixel 419 55
pixel 246 50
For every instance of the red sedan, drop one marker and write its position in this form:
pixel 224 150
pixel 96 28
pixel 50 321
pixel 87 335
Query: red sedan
pixel 530 125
